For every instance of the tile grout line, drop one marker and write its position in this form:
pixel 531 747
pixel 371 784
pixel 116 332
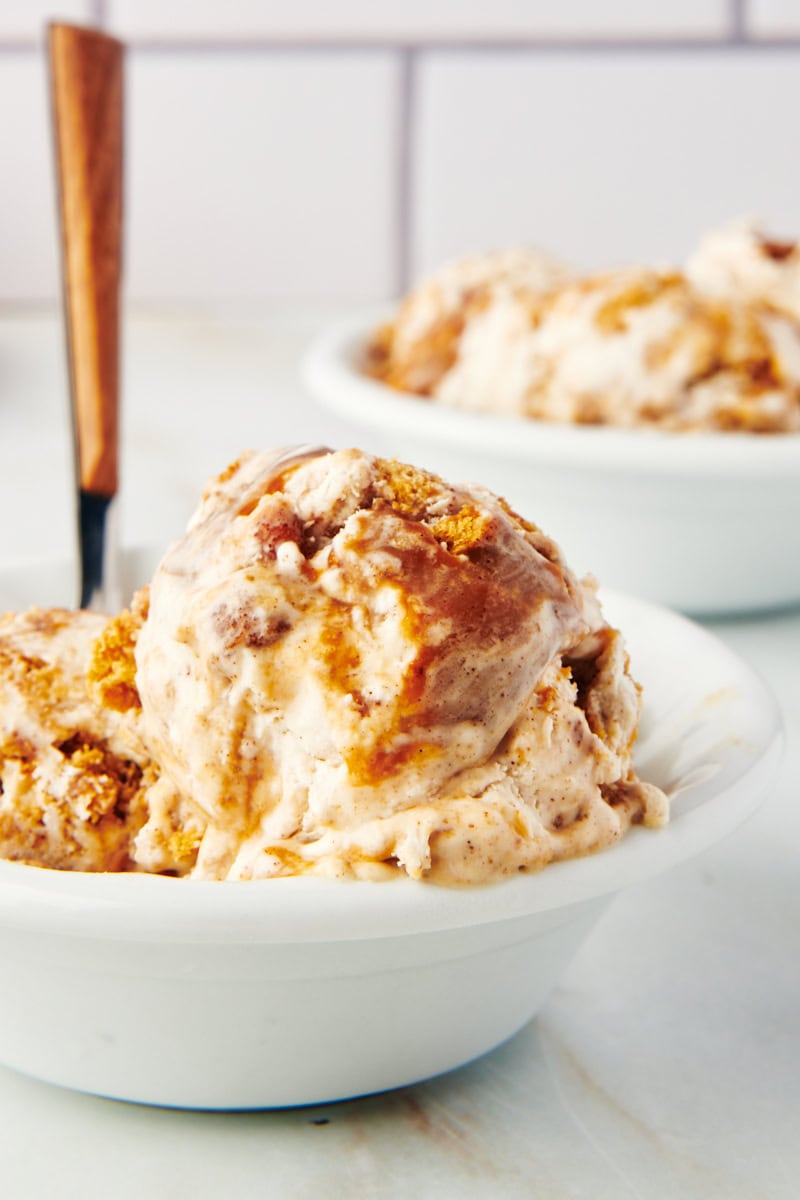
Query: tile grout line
pixel 404 183
pixel 737 40
pixel 534 45
pixel 739 30
pixel 98 15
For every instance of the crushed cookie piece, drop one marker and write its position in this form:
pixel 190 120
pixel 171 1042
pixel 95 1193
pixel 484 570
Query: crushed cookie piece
pixel 464 530
pixel 109 781
pixel 408 490
pixel 111 675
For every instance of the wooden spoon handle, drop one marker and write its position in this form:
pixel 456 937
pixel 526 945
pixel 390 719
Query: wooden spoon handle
pixel 86 72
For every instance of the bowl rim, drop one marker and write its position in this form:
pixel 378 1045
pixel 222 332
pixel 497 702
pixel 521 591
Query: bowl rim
pixel 307 909
pixel 331 372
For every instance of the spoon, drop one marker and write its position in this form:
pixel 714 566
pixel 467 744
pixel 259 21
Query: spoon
pixel 86 78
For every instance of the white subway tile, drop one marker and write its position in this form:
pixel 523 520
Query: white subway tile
pixel 772 18
pixel 416 19
pixel 262 174
pixel 604 159
pixel 26 19
pixel 28 263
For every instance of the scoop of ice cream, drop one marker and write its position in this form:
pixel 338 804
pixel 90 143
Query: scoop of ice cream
pixel 634 348
pixel 78 790
pixel 423 340
pixel 348 664
pixel 717 348
pixel 742 263
pixel 347 667
pixel 73 773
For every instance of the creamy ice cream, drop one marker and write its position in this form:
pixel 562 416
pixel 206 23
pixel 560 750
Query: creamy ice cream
pixel 78 789
pixel 73 772
pixel 350 666
pixel 344 667
pixel 422 342
pixel 631 348
pixel 742 262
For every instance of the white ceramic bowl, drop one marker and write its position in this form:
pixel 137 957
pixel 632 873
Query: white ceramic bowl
pixel 708 523
pixel 298 991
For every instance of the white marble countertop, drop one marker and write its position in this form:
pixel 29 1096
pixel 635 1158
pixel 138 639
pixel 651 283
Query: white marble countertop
pixel 667 1062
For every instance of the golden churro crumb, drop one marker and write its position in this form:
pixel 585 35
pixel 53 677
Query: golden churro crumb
pixel 418 495
pixel 409 491
pixel 112 668
pixel 183 846
pixel 103 783
pixel 464 530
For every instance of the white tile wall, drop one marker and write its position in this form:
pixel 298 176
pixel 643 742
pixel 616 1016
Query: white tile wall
pixel 601 158
pixel 773 18
pixel 416 19
pixel 262 175
pixel 27 228
pixel 319 150
pixel 26 19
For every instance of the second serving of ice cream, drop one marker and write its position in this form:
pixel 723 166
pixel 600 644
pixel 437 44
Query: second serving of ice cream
pixel 712 347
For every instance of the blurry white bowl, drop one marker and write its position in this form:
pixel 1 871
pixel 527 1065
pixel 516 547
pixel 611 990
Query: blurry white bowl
pixel 298 991
pixel 708 523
